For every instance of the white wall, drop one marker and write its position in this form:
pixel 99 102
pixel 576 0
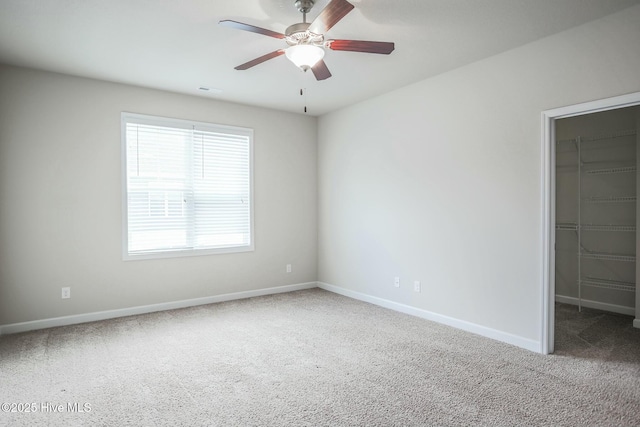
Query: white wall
pixel 60 199
pixel 440 181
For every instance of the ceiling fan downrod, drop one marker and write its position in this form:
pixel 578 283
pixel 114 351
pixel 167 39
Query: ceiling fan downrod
pixel 304 6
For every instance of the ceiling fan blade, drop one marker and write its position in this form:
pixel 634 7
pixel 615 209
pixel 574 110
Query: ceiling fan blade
pixel 330 15
pixel 251 28
pixel 260 60
pixel 384 48
pixel 321 71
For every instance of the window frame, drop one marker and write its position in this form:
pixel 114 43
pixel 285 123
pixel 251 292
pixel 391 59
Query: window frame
pixel 127 117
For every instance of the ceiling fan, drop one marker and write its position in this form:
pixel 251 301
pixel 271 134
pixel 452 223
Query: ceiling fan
pixel 307 40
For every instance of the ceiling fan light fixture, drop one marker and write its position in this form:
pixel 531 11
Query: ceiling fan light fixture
pixel 305 56
pixel 307 40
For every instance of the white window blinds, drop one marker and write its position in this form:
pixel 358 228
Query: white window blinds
pixel 188 187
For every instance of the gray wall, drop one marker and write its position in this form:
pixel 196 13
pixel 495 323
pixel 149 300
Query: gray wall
pixel 636 322
pixel 440 181
pixel 60 199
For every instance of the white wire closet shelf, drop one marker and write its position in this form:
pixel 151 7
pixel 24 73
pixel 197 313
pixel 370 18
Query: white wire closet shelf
pixel 611 135
pixel 609 284
pixel 604 256
pixel 610 171
pixel 572 226
pixel 597 227
pixel 609 199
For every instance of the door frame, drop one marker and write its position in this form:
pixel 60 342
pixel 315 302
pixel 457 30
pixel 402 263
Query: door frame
pixel 549 201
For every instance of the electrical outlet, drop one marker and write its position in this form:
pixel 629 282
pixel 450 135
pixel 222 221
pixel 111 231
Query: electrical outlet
pixel 416 286
pixel 66 293
pixel 288 268
pixel 396 282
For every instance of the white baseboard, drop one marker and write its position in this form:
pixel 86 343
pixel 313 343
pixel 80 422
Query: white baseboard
pixel 620 309
pixel 636 323
pixel 131 311
pixel 495 334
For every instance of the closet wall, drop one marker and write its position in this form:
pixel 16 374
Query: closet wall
pixel 596 214
pixel 636 322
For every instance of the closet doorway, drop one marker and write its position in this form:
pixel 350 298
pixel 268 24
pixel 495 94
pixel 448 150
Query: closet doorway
pixel 590 204
pixel 596 221
pixel 596 175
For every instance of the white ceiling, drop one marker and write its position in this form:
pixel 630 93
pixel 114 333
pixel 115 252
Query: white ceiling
pixel 177 45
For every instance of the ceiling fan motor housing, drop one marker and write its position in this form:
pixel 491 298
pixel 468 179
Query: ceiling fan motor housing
pixel 304 6
pixel 299 34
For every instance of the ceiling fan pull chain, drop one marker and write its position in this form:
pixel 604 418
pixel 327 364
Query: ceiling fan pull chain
pixel 304 92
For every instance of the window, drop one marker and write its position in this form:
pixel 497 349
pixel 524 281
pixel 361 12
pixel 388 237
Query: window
pixel 187 188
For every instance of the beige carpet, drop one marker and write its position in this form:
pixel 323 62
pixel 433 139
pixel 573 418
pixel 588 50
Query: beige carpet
pixel 308 358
